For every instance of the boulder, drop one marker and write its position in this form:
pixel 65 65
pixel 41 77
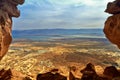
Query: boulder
pixel 111 72
pixel 89 73
pixel 51 76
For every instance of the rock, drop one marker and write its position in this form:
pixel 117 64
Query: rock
pixel 45 76
pixel 89 73
pixel 8 9
pixel 113 7
pixel 112 29
pixel 54 70
pixel 27 78
pixel 50 76
pixel 72 77
pixel 5 74
pixel 111 72
pixel 112 24
pixel 12 75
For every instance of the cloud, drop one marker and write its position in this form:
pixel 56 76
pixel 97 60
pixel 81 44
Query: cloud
pixel 61 14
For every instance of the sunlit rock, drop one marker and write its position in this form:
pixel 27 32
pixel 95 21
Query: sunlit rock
pixel 112 24
pixel 8 9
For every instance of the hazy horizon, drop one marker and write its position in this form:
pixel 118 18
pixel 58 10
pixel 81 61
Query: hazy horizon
pixel 56 28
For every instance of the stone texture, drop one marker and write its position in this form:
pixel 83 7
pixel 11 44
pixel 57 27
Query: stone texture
pixel 112 24
pixel 8 9
pixel 112 29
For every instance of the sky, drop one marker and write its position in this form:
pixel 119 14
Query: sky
pixel 66 14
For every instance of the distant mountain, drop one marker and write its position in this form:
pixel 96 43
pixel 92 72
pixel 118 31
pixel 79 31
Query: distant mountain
pixel 57 32
pixel 46 34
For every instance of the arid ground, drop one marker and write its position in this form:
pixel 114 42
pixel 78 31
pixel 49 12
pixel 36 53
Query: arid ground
pixel 33 57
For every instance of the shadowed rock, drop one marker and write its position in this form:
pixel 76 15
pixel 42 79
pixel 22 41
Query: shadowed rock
pixel 89 73
pixel 51 76
pixel 5 74
pixel 111 72
pixel 113 7
pixel 72 77
pixel 8 9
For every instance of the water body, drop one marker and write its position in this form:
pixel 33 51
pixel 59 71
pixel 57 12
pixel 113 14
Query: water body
pixel 52 34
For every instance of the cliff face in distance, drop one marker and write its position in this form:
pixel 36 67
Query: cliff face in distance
pixel 112 24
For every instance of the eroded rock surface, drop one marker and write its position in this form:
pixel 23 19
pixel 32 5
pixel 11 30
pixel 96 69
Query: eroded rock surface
pixel 8 9
pixel 112 24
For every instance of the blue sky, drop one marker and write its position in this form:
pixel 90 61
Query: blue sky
pixel 68 14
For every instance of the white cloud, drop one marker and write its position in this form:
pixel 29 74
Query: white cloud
pixel 63 13
pixel 69 2
pixel 95 2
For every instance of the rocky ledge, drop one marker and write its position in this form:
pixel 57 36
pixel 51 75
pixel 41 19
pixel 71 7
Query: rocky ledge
pixel 88 73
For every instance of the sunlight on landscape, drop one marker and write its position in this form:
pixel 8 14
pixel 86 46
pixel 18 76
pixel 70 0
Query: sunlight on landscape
pixel 64 35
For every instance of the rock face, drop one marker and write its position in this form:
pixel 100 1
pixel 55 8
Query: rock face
pixel 112 24
pixel 50 76
pixel 8 9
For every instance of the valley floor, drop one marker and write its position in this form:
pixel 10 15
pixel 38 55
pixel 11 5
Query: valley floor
pixel 33 57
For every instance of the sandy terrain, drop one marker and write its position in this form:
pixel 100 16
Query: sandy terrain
pixel 33 57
